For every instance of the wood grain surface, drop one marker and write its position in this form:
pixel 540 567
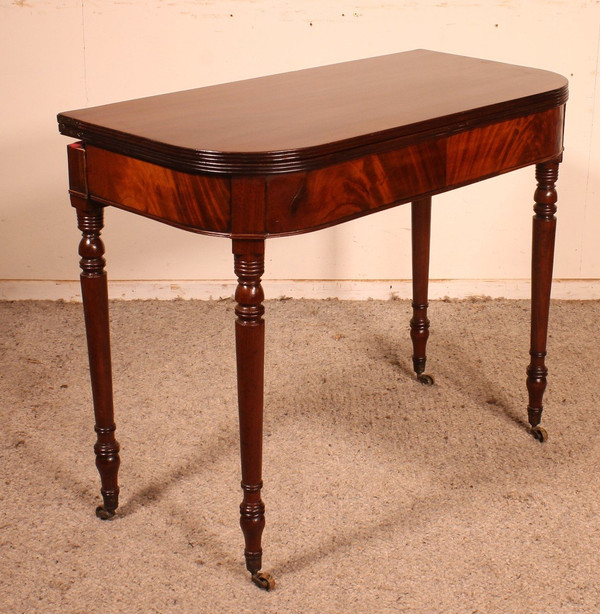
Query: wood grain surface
pixel 304 119
pixel 299 202
pixel 193 202
pixel 290 203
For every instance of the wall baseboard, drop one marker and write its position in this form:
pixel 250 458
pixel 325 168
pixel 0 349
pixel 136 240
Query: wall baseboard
pixel 565 289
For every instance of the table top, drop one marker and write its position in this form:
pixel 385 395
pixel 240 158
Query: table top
pixel 304 119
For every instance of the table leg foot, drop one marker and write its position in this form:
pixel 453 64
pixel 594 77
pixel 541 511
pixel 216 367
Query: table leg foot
pixel 263 580
pixel 105 514
pixel 426 379
pixel 539 433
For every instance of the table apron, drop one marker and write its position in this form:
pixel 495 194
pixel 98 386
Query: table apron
pixel 303 201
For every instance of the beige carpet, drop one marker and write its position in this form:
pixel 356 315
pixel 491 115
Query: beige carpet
pixel 382 495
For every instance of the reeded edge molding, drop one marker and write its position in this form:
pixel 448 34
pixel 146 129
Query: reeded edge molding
pixel 297 231
pixel 292 160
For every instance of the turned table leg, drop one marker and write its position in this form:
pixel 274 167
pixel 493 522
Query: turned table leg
pixel 419 324
pixel 250 349
pixel 95 306
pixel 544 229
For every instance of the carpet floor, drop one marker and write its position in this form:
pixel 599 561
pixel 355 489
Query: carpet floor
pixel 381 495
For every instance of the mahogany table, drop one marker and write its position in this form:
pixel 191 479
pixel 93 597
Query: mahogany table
pixel 293 153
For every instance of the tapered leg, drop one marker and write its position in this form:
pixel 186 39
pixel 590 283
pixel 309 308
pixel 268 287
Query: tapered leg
pixel 250 343
pixel 419 324
pixel 544 228
pixel 95 306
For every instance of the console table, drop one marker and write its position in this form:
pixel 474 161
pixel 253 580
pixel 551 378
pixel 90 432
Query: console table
pixel 293 153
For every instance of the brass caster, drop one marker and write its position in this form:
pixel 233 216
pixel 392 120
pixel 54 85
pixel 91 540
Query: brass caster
pixel 263 580
pixel 104 514
pixel 426 380
pixel 539 433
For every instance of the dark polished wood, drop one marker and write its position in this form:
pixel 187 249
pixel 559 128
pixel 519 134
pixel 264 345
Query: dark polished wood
pixel 419 323
pixel 249 265
pixel 544 230
pixel 304 201
pixel 94 290
pixel 296 152
pixel 310 118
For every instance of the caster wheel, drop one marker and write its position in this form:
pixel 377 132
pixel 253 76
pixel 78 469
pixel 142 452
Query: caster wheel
pixel 425 379
pixel 104 514
pixel 539 433
pixel 263 580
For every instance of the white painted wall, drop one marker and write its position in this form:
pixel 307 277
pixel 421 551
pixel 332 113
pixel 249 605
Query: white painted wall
pixel 67 54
